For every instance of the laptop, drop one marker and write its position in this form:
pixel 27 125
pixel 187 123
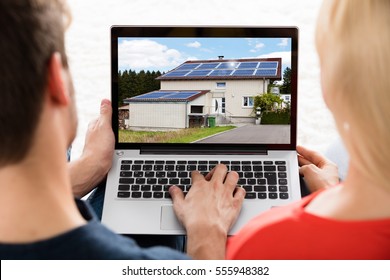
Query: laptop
pixel 190 97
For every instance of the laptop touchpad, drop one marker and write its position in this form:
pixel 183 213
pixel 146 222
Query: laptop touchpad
pixel 168 219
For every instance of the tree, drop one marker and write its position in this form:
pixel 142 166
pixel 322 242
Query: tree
pixel 286 87
pixel 266 102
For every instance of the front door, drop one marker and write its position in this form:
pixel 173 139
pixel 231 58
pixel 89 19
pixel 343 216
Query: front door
pixel 218 105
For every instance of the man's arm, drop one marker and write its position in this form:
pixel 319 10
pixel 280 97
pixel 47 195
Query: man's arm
pixel 208 211
pixel 96 159
pixel 318 171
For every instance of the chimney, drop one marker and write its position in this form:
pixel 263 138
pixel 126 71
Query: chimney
pixel 220 57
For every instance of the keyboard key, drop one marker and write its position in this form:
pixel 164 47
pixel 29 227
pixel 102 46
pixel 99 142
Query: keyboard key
pixel 248 174
pixel 261 181
pixel 262 195
pixel 147 195
pixel 125 167
pixel 256 162
pixel 273 195
pixel 192 162
pixel 158 195
pixel 173 181
pixel 160 162
pixel 162 181
pixel 136 194
pixel 138 174
pixel 282 181
pixel 191 167
pixel 147 167
pixel 259 174
pixel 126 174
pixel 202 168
pixel 136 167
pixel 167 195
pixel 246 168
pixel 158 167
pixel 272 188
pixel 251 181
pixel 151 181
pixel 126 180
pixel 270 168
pixel 247 188
pixel 181 162
pixel 268 162
pixel 161 174
pixel 283 188
pixel 146 188
pixel 127 162
pixel 242 181
pixel 180 167
pixel 283 195
pixel 182 174
pixel 250 195
pixel 281 168
pixel 149 174
pixel 271 177
pixel 185 181
pixel 135 188
pixel 138 162
pixel 282 175
pixel 278 162
pixel 123 194
pixel 260 188
pixel 140 181
pixel 169 167
pixel 257 168
pixel 235 168
pixel 157 188
pixel 124 187
pixel 171 174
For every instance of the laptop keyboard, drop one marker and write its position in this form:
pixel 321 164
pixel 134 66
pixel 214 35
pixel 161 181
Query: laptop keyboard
pixel 151 179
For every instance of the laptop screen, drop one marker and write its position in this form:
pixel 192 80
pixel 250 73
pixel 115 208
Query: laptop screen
pixel 204 85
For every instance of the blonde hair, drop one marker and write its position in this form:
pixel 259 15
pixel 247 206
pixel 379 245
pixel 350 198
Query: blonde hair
pixel 353 40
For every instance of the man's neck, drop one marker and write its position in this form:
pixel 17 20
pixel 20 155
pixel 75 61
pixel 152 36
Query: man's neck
pixel 36 200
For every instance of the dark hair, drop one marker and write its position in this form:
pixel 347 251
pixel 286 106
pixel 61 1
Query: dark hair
pixel 30 32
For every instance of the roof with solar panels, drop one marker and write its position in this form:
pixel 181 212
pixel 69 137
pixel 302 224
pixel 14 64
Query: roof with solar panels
pixel 227 69
pixel 167 96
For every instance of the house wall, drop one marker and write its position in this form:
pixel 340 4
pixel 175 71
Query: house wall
pixel 234 92
pixel 157 116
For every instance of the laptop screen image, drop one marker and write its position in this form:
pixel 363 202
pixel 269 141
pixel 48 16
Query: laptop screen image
pixel 230 87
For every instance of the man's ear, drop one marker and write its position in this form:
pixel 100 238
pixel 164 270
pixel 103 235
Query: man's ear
pixel 56 83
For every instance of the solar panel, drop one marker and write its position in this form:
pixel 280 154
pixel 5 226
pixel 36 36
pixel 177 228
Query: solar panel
pixel 207 66
pixel 221 72
pixel 247 65
pixel 151 95
pixel 176 73
pixel 268 65
pixel 247 72
pixel 183 95
pixel 188 66
pixel 266 72
pixel 198 73
pixel 227 65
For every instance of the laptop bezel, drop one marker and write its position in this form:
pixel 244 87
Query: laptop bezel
pixel 205 31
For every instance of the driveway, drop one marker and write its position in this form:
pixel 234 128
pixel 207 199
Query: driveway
pixel 254 134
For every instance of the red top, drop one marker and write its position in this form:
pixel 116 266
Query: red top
pixel 291 233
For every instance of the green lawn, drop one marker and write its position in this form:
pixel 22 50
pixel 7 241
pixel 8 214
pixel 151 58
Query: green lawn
pixel 187 135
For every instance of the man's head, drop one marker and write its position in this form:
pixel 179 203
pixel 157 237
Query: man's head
pixel 31 32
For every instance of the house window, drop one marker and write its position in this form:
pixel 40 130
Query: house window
pixel 247 101
pixel 221 85
pixel 196 109
pixel 223 105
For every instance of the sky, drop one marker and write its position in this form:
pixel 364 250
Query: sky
pixel 164 54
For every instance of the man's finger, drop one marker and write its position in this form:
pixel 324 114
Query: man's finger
pixel 311 155
pixel 303 161
pixel 231 179
pixel 105 111
pixel 176 194
pixel 219 173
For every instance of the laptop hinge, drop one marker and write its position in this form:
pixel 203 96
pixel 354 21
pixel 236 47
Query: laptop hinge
pixel 202 151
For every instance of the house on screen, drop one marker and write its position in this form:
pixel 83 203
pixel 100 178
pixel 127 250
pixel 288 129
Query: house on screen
pixel 197 91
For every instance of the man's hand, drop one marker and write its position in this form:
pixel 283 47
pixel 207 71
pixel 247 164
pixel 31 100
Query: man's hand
pixel 208 211
pixel 318 171
pixel 96 159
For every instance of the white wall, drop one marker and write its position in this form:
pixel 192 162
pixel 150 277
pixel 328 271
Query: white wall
pixel 157 116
